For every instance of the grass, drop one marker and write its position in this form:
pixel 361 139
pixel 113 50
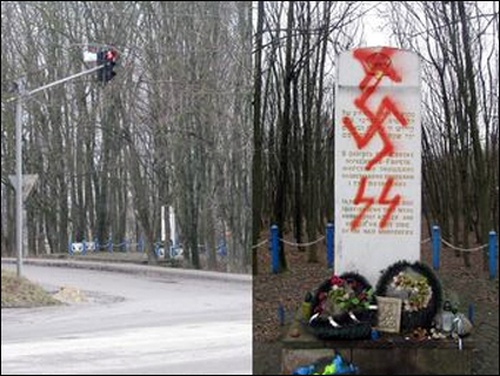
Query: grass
pixel 22 293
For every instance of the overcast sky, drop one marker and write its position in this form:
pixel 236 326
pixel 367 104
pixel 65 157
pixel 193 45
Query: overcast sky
pixel 372 23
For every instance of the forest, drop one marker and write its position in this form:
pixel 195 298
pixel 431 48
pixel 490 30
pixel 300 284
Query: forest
pixel 225 111
pixel 296 46
pixel 173 127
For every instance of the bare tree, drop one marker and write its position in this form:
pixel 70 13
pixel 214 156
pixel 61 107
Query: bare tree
pixel 159 134
pixel 457 44
pixel 300 40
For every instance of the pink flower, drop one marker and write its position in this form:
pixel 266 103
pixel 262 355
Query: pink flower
pixel 336 281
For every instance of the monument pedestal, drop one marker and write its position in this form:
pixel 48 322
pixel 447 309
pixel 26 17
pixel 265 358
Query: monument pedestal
pixel 390 354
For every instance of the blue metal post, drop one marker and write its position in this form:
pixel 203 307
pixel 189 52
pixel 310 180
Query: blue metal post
pixel 436 246
pixel 492 251
pixel 471 313
pixel 84 246
pixel 274 249
pixel 140 244
pixel 96 245
pixel 70 246
pixel 329 245
pixel 110 244
pixel 157 249
pixel 281 314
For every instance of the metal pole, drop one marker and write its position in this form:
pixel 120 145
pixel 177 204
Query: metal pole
pixel 492 251
pixel 436 246
pixel 471 313
pixel 52 84
pixel 63 80
pixel 19 178
pixel 329 245
pixel 19 155
pixel 275 249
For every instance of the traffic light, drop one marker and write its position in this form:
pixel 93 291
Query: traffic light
pixel 107 59
pixel 110 57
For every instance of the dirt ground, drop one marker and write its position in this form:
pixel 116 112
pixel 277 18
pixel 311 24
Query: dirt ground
pixel 463 285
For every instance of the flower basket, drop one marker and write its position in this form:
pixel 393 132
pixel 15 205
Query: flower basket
pixel 418 287
pixel 343 300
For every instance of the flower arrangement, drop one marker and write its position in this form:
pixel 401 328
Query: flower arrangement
pixel 343 295
pixel 341 308
pixel 417 292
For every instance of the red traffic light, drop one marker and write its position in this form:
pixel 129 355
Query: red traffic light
pixel 107 59
pixel 111 56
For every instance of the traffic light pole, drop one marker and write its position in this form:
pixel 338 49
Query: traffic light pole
pixel 63 80
pixel 19 156
pixel 19 178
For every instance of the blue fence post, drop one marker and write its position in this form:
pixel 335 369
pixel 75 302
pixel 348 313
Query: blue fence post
pixel 157 249
pixel 110 244
pixel 84 246
pixel 436 246
pixel 329 245
pixel 274 249
pixel 281 314
pixel 125 245
pixel 471 313
pixel 70 246
pixel 492 252
pixel 140 244
pixel 96 245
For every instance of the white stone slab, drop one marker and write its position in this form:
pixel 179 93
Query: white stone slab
pixel 378 97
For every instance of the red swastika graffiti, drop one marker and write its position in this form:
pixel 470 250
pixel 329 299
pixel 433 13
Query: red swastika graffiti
pixel 376 66
pixel 369 201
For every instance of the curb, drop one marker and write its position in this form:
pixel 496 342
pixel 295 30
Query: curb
pixel 156 271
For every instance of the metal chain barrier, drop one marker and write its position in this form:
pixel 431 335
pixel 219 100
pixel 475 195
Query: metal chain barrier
pixel 302 244
pixel 449 245
pixel 260 244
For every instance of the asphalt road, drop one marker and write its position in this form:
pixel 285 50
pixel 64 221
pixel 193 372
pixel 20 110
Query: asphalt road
pixel 131 323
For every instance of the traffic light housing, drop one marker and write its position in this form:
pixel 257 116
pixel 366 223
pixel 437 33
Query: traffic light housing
pixel 107 59
pixel 111 56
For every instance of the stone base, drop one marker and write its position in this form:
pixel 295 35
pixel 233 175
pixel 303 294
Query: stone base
pixel 390 354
